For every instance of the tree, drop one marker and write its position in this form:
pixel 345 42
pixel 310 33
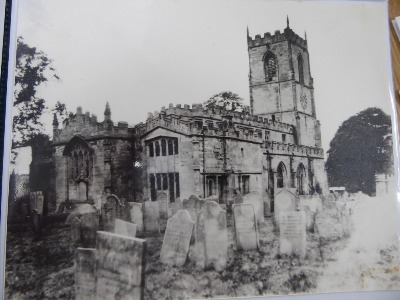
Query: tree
pixel 33 68
pixel 227 100
pixel 357 152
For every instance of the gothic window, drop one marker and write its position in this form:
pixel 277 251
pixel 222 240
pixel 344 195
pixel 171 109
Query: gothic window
pixel 170 148
pixel 300 66
pixel 176 146
pixel 157 148
pixel 80 160
pixel 245 184
pixel 280 175
pixel 269 66
pixel 151 149
pixel 163 147
pixel 158 177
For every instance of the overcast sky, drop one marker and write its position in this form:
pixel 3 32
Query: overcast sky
pixel 141 55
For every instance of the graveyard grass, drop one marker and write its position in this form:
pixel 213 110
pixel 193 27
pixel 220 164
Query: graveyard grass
pixel 42 267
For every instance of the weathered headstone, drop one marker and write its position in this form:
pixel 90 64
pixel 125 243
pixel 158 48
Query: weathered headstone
pixel 111 209
pixel 211 237
pixel 119 266
pixel 151 216
pixel 125 228
pixel 257 201
pixel 237 198
pixel 193 205
pixel 292 228
pixel 162 199
pixel 137 215
pixel 173 208
pixel 176 241
pixel 246 231
pixel 89 223
pixel 85 274
pixel 285 200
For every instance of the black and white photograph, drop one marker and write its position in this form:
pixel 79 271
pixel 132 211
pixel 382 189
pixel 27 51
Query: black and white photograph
pixel 201 149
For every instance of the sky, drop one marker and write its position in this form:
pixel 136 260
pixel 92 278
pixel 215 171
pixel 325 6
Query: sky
pixel 141 55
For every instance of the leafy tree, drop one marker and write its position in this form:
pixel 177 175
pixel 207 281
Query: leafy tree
pixel 33 68
pixel 359 150
pixel 227 100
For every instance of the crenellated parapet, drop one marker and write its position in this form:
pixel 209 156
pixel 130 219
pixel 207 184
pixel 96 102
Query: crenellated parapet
pixel 197 120
pixel 88 126
pixel 287 35
pixel 277 148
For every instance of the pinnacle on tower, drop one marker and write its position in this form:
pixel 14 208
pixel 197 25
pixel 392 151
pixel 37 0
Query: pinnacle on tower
pixel 107 113
pixel 287 21
pixel 55 121
pixel 305 35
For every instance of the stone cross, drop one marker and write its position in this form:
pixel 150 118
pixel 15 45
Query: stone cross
pixel 85 274
pixel 211 237
pixel 245 223
pixel 176 241
pixel 120 265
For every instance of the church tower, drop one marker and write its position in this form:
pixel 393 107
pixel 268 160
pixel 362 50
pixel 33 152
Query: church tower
pixel 281 85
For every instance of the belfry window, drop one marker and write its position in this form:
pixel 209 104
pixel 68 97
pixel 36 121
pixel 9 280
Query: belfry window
pixel 269 66
pixel 300 63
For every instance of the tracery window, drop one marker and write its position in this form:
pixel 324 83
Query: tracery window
pixel 300 63
pixel 79 159
pixel 269 66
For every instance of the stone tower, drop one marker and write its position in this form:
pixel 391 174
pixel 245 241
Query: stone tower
pixel 281 85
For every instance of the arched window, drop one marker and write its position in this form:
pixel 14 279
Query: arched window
pixel 157 148
pixel 80 159
pixel 280 175
pixel 163 147
pixel 151 149
pixel 301 179
pixel 269 66
pixel 170 148
pixel 300 63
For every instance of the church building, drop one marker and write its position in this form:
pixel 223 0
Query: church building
pixel 211 152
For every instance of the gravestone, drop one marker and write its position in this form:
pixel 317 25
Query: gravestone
pixel 193 205
pixel 285 200
pixel 258 203
pixel 151 216
pixel 173 208
pixel 82 191
pixel 237 198
pixel 246 231
pixel 211 237
pixel 89 225
pixel 292 229
pixel 176 241
pixel 137 215
pixel 163 203
pixel 120 265
pixel 111 209
pixel 125 228
pixel 85 273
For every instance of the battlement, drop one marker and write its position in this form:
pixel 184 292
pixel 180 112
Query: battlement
pixel 287 35
pixel 87 125
pixel 212 122
pixel 298 150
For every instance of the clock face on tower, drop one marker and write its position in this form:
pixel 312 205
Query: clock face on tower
pixel 303 100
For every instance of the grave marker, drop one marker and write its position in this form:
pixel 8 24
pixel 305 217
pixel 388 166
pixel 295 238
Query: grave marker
pixel 125 228
pixel 163 203
pixel 85 274
pixel 285 200
pixel 211 237
pixel 176 241
pixel 151 214
pixel 245 223
pixel 137 215
pixel 120 267
pixel 292 228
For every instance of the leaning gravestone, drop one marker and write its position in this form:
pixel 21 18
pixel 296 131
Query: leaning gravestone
pixel 193 205
pixel 85 274
pixel 125 228
pixel 119 266
pixel 176 241
pixel 211 237
pixel 257 201
pixel 173 208
pixel 245 223
pixel 137 215
pixel 151 216
pixel 292 228
pixel 285 200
